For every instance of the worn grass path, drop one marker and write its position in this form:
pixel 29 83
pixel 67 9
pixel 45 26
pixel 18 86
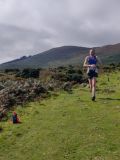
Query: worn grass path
pixel 67 126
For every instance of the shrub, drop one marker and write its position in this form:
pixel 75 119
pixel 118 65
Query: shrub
pixel 28 73
pixel 71 71
pixel 11 70
pixel 60 76
pixel 74 77
pixel 79 72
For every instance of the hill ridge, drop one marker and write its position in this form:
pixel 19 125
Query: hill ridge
pixel 63 55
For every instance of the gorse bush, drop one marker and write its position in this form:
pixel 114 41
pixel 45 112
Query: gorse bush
pixel 74 77
pixel 60 76
pixel 70 73
pixel 111 67
pixel 68 77
pixel 28 73
pixel 11 70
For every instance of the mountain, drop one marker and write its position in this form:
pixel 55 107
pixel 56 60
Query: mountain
pixel 109 53
pixel 64 55
pixel 53 57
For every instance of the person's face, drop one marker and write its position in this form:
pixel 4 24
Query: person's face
pixel 92 52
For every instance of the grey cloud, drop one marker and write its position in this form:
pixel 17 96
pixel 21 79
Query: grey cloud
pixel 32 26
pixel 16 42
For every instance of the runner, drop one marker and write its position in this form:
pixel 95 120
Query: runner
pixel 91 62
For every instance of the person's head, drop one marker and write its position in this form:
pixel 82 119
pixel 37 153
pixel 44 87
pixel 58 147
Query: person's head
pixel 92 52
pixel 14 113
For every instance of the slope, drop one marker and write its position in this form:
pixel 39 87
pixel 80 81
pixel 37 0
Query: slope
pixel 67 126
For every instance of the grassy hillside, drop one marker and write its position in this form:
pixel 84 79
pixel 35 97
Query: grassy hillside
pixel 67 126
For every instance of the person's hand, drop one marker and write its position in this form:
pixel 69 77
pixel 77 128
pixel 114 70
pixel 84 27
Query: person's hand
pixel 93 65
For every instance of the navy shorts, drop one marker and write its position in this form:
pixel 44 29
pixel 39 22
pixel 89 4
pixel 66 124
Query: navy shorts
pixel 91 74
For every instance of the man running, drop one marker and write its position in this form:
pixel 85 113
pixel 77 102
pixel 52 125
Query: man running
pixel 91 62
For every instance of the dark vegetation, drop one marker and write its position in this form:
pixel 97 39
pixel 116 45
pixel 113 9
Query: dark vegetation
pixel 20 86
pixel 28 73
pixel 111 67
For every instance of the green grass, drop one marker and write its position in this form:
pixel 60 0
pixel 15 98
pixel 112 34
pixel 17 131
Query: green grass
pixel 67 126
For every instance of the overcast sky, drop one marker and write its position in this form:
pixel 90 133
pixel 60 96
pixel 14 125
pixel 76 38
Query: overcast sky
pixel 29 27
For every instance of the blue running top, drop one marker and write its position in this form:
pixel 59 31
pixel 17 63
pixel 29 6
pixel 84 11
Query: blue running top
pixel 92 60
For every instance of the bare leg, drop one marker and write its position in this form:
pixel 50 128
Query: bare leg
pixel 90 84
pixel 93 86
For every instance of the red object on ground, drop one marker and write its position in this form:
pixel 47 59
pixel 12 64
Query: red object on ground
pixel 14 113
pixel 15 118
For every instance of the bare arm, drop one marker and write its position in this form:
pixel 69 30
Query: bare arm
pixel 85 62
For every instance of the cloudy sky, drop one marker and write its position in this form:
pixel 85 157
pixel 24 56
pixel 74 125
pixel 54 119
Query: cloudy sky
pixel 29 27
